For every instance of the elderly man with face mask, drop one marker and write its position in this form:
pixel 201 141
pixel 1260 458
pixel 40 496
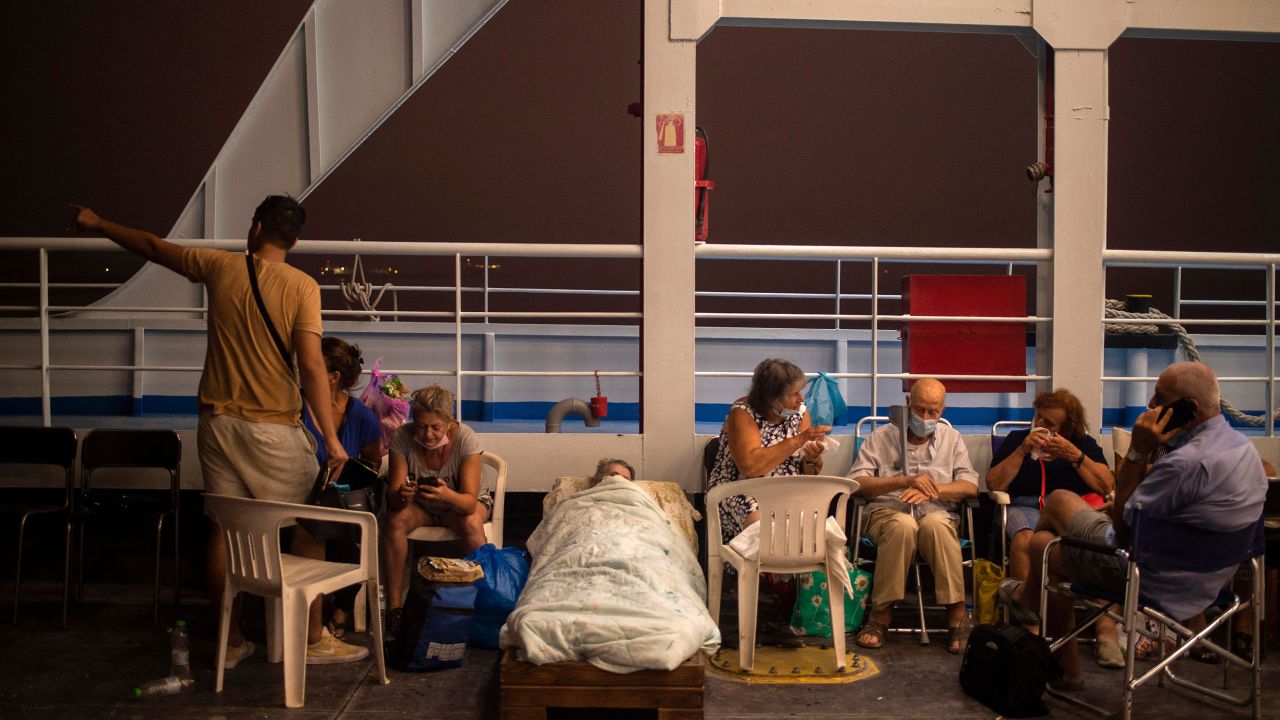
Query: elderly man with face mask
pixel 914 506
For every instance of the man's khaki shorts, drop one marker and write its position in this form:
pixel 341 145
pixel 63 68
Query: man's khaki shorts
pixel 257 460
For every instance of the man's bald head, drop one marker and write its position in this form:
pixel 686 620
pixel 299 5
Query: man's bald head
pixel 1194 381
pixel 928 390
pixel 1191 380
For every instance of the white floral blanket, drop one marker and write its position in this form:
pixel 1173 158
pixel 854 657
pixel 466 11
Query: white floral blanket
pixel 613 584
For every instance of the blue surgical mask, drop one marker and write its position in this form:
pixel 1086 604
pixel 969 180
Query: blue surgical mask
pixel 920 426
pixel 788 413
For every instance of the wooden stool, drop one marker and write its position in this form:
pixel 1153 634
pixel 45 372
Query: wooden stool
pixel 528 690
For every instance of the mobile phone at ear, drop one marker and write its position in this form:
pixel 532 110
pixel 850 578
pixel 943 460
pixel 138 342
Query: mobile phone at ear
pixel 1182 413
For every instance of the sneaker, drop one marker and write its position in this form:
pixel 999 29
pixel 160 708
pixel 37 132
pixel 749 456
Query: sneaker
pixel 329 650
pixel 236 653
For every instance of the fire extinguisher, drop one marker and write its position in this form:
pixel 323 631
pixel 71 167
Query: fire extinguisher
pixel 702 187
pixel 599 403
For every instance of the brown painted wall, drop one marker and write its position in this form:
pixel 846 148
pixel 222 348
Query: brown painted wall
pixel 817 136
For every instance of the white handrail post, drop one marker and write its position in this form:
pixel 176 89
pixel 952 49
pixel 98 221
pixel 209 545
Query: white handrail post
pixel 1271 350
pixel 839 263
pixel 875 335
pixel 45 403
pixel 486 289
pixel 457 334
pixel 1177 292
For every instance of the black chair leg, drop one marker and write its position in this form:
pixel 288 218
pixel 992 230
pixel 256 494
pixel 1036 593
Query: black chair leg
pixel 155 600
pixel 17 582
pixel 66 575
pixel 80 564
pixel 177 564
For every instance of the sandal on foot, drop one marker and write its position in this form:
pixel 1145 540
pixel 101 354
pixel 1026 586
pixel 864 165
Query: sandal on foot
pixel 957 639
pixel 1109 654
pixel 1017 613
pixel 1204 655
pixel 875 629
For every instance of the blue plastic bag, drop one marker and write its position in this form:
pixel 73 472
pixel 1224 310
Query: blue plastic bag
pixel 826 404
pixel 505 573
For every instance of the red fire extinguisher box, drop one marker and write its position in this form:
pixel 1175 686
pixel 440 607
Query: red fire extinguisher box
pixel 966 347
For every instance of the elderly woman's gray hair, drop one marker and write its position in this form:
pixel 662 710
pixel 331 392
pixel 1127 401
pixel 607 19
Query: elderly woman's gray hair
pixel 610 466
pixel 770 382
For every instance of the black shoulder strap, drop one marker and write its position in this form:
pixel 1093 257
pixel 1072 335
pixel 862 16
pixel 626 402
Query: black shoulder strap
pixel 262 308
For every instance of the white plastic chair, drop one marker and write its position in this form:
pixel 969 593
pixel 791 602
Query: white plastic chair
pixel 492 528
pixel 793 516
pixel 251 529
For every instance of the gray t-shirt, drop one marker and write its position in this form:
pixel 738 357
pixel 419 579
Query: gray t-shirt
pixel 463 445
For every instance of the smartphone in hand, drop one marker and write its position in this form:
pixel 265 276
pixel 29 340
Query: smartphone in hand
pixel 1182 413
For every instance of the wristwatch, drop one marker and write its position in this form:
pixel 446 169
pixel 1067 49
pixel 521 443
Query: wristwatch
pixel 1078 461
pixel 1135 456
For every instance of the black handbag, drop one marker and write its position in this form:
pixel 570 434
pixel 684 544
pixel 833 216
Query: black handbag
pixel 1006 668
pixel 355 488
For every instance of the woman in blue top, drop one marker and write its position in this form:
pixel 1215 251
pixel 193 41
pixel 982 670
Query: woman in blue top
pixel 360 435
pixel 358 429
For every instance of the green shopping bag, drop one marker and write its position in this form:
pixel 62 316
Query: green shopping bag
pixel 986 580
pixel 812 616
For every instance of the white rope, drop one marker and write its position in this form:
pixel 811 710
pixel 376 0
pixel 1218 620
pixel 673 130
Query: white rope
pixel 358 291
pixel 1115 309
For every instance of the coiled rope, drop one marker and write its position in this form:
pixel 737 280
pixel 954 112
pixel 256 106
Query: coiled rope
pixel 358 291
pixel 1116 309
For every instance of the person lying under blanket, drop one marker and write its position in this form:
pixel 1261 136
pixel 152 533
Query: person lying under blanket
pixel 614 582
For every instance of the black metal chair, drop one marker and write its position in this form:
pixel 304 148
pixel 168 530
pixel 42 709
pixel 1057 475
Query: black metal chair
pixel 40 446
pixel 102 449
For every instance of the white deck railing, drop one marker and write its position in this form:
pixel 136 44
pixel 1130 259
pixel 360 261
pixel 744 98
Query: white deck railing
pixel 874 256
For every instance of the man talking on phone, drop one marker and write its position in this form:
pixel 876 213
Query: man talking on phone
pixel 1185 463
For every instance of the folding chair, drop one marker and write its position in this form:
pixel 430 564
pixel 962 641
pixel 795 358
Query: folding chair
pixel 41 446
pixel 864 543
pixel 138 449
pixel 1000 497
pixel 1161 544
pixel 793 516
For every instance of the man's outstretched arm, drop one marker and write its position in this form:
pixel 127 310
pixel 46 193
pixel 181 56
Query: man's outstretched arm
pixel 139 242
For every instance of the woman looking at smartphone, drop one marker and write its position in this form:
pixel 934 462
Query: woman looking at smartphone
pixel 434 480
pixel 1056 453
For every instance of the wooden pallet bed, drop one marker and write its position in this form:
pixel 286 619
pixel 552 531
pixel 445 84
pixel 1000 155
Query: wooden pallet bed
pixel 527 691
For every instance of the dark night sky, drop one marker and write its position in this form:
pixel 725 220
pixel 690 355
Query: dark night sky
pixel 817 137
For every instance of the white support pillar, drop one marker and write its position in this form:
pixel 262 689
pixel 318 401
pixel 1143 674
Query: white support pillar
pixel 1044 222
pixel 667 330
pixel 1080 224
pixel 1080 32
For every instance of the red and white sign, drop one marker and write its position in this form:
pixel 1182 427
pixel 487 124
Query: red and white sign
pixel 670 127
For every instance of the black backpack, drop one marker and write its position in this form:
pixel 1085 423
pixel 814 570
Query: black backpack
pixel 1006 668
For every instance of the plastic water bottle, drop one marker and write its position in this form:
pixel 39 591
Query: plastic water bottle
pixel 171 685
pixel 180 654
pixel 179 678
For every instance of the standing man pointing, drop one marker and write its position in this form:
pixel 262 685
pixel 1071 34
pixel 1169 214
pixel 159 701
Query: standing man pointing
pixel 251 440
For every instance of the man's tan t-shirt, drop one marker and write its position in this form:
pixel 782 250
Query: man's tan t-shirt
pixel 244 375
